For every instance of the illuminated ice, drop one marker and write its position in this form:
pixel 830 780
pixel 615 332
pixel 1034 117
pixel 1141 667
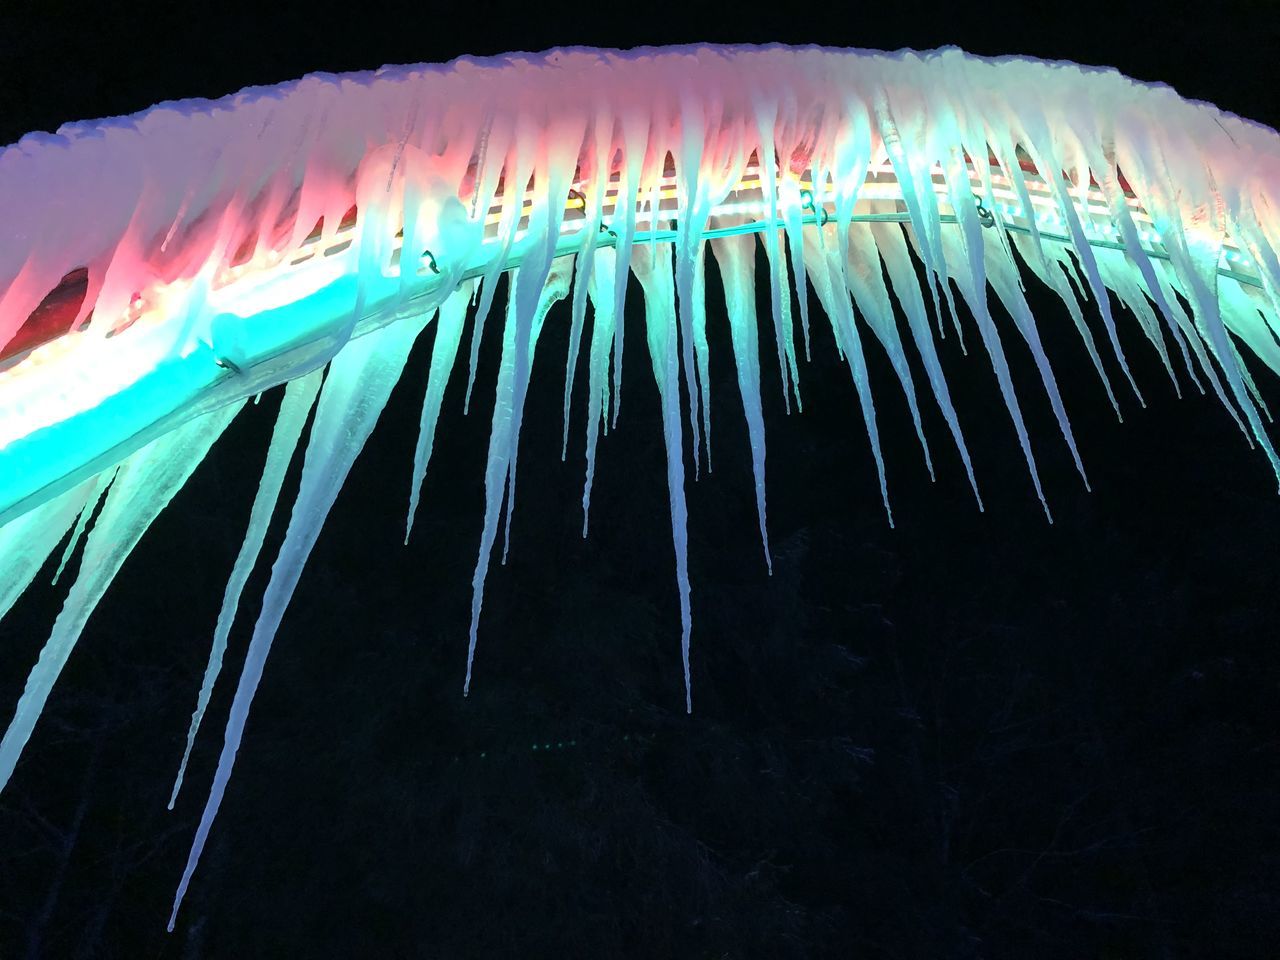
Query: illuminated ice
pixel 171 264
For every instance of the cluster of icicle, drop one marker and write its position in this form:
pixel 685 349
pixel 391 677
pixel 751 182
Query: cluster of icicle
pixel 175 191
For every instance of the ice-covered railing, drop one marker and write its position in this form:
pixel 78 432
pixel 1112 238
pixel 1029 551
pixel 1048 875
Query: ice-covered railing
pixel 157 270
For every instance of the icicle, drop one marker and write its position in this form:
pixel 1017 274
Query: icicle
pixel 826 273
pixel 449 322
pixel 541 280
pixel 964 253
pixel 25 543
pixel 736 259
pixel 520 334
pixel 585 259
pixel 359 383
pixel 914 171
pixel 635 139
pixel 1252 239
pixel 691 214
pixel 519 168
pixel 701 350
pixel 1003 276
pixel 299 396
pixel 1194 256
pixel 144 484
pixel 779 288
pixel 1102 161
pixel 497 472
pixel 1033 253
pixel 600 287
pixel 865 280
pixel 655 275
pixel 1047 162
pixel 1240 314
pixel 86 513
pixel 1171 288
pixel 902 278
pixel 575 338
pixel 826 262
pixel 486 287
pixel 593 213
pixel 1114 267
pixel 555 288
pixel 793 219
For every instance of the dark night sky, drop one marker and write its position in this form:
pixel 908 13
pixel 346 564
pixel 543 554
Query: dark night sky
pixel 972 736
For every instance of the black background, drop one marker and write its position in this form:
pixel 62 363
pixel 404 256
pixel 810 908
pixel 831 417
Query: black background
pixel 975 735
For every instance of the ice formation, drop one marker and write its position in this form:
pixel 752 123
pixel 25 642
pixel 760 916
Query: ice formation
pixel 166 266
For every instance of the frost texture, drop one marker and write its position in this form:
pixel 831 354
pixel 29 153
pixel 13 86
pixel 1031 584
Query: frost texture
pixel 236 245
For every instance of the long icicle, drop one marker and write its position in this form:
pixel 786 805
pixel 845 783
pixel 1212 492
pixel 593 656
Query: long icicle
pixel 502 438
pixel 654 271
pixel 299 396
pixel 736 258
pixel 360 381
pixel 600 288
pixel 902 279
pixel 444 352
